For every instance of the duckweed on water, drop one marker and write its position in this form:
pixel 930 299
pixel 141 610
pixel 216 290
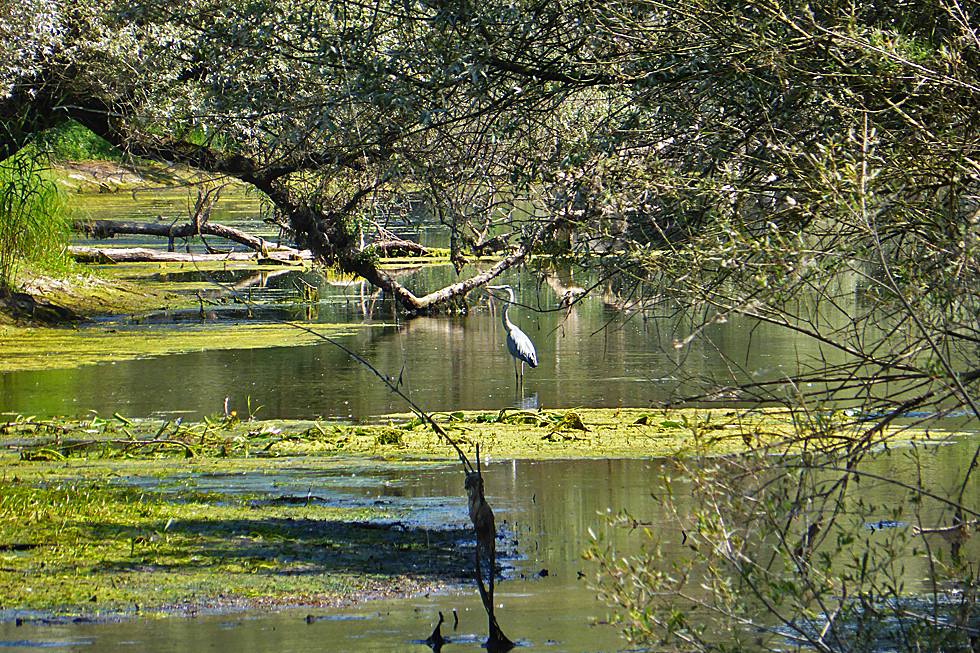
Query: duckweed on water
pixel 30 349
pixel 114 529
pixel 106 517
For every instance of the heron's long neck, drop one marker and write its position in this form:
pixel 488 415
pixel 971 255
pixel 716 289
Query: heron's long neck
pixel 507 303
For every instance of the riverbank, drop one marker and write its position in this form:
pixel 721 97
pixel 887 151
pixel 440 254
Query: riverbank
pixel 84 295
pixel 81 294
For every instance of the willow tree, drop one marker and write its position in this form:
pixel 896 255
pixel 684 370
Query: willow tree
pixel 334 109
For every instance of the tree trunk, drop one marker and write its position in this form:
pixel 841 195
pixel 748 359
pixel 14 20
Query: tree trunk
pixel 317 228
pixel 102 229
pixel 142 255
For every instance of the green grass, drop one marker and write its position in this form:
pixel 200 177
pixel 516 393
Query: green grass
pixel 35 216
pixel 71 141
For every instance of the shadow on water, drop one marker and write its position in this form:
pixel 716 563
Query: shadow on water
pixel 313 547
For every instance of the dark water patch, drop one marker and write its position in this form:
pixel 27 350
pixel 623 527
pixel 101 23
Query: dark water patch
pixel 310 619
pixel 25 643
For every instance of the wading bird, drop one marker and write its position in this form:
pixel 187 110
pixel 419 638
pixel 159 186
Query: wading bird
pixel 518 344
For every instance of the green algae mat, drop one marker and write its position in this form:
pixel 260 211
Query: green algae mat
pixel 40 349
pixel 107 518
pixel 508 433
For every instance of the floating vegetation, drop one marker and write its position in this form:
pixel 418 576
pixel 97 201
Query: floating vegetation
pixel 508 433
pixel 36 349
pixel 92 541
pixel 110 515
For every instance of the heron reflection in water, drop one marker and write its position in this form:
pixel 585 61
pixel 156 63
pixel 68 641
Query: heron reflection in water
pixel 518 344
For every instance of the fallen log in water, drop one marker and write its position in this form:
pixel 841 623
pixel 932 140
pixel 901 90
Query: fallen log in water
pixel 102 229
pixel 140 255
pixel 387 244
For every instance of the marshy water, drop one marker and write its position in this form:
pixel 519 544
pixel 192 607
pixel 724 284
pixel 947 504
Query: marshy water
pixel 544 510
pixel 597 353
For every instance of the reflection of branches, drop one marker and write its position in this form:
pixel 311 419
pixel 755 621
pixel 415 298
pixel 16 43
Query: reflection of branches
pixel 394 386
pixel 389 382
pixel 259 278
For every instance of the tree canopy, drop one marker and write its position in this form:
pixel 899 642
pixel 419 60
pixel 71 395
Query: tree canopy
pixel 738 154
pixel 810 165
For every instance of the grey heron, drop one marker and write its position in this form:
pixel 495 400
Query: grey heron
pixel 518 344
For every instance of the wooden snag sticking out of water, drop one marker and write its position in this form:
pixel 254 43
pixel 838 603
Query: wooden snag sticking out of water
pixel 481 514
pixel 486 539
pixel 436 640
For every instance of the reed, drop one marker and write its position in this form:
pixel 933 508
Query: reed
pixel 34 218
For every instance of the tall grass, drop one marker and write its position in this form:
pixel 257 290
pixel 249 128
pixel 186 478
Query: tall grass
pixel 34 218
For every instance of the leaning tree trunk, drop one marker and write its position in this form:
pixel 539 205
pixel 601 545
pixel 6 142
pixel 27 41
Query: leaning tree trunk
pixel 316 228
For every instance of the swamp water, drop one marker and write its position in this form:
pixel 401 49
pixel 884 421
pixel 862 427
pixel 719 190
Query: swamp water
pixel 174 365
pixel 544 512
pixel 593 355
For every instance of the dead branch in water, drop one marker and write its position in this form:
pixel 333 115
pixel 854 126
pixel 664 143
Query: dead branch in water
pixel 84 254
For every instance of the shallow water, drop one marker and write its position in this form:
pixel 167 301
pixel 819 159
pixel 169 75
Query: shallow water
pixel 592 355
pixel 596 354
pixel 544 509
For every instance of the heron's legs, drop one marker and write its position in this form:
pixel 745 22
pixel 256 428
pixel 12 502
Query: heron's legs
pixel 518 377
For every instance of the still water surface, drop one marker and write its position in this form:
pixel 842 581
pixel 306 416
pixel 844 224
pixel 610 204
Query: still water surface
pixel 546 508
pixel 590 355
pixel 594 354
